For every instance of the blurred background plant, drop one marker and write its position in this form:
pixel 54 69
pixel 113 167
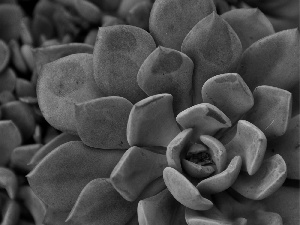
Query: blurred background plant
pixel 57 37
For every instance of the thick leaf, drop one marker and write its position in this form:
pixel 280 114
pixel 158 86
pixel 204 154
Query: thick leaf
pixel 45 55
pixel 177 149
pixel 229 93
pixel 62 84
pixel 11 212
pixel 184 191
pixel 58 179
pixel 221 181
pixel 285 201
pixel 250 143
pixel 171 20
pixel 280 67
pixel 25 88
pixel 249 24
pixel 4 55
pixel 17 57
pixel 8 180
pixel 214 48
pixel 88 11
pixel 102 122
pixel 10 139
pixel 34 204
pixel 99 203
pixel 8 80
pixel 288 146
pixel 50 146
pixel 271 111
pixel 166 70
pixel 118 54
pixel 205 119
pixel 139 14
pixel 57 217
pixel 159 209
pixel 136 169
pixel 10 21
pixel 151 122
pixel 268 179
pixel 22 155
pixel 21 114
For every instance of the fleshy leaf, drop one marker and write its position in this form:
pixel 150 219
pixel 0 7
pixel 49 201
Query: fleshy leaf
pixel 151 122
pixel 280 67
pixel 118 54
pixel 184 191
pixel 61 85
pixel 88 11
pixel 214 48
pixel 250 143
pixel 166 70
pixel 34 204
pixel 229 93
pixel 205 119
pixel 4 55
pixel 58 179
pixel 10 21
pixel 48 54
pixel 22 155
pixel 99 203
pixel 217 152
pixel 171 20
pixel 136 169
pixel 57 217
pixel 177 148
pixel 289 200
pixel 158 209
pixel 249 24
pixel 288 146
pixel 11 212
pixel 8 79
pixel 265 181
pixel 221 181
pixel 10 139
pixel 102 122
pixel 271 111
pixel 8 180
pixel 50 146
pixel 211 216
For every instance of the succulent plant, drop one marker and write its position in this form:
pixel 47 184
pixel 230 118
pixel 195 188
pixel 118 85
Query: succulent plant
pixel 205 72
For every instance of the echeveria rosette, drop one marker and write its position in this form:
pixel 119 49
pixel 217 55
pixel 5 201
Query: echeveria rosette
pixel 236 160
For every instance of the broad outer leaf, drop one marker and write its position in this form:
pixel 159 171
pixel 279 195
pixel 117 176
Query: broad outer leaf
pixel 171 20
pixel 118 54
pixel 249 24
pixel 280 67
pixel 100 204
pixel 166 70
pixel 50 146
pixel 214 48
pixel 58 179
pixel 61 85
pixel 10 139
pixel 102 122
pixel 4 55
pixel 44 55
pixel 57 217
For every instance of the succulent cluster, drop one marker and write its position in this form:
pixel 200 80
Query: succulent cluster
pixel 172 112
